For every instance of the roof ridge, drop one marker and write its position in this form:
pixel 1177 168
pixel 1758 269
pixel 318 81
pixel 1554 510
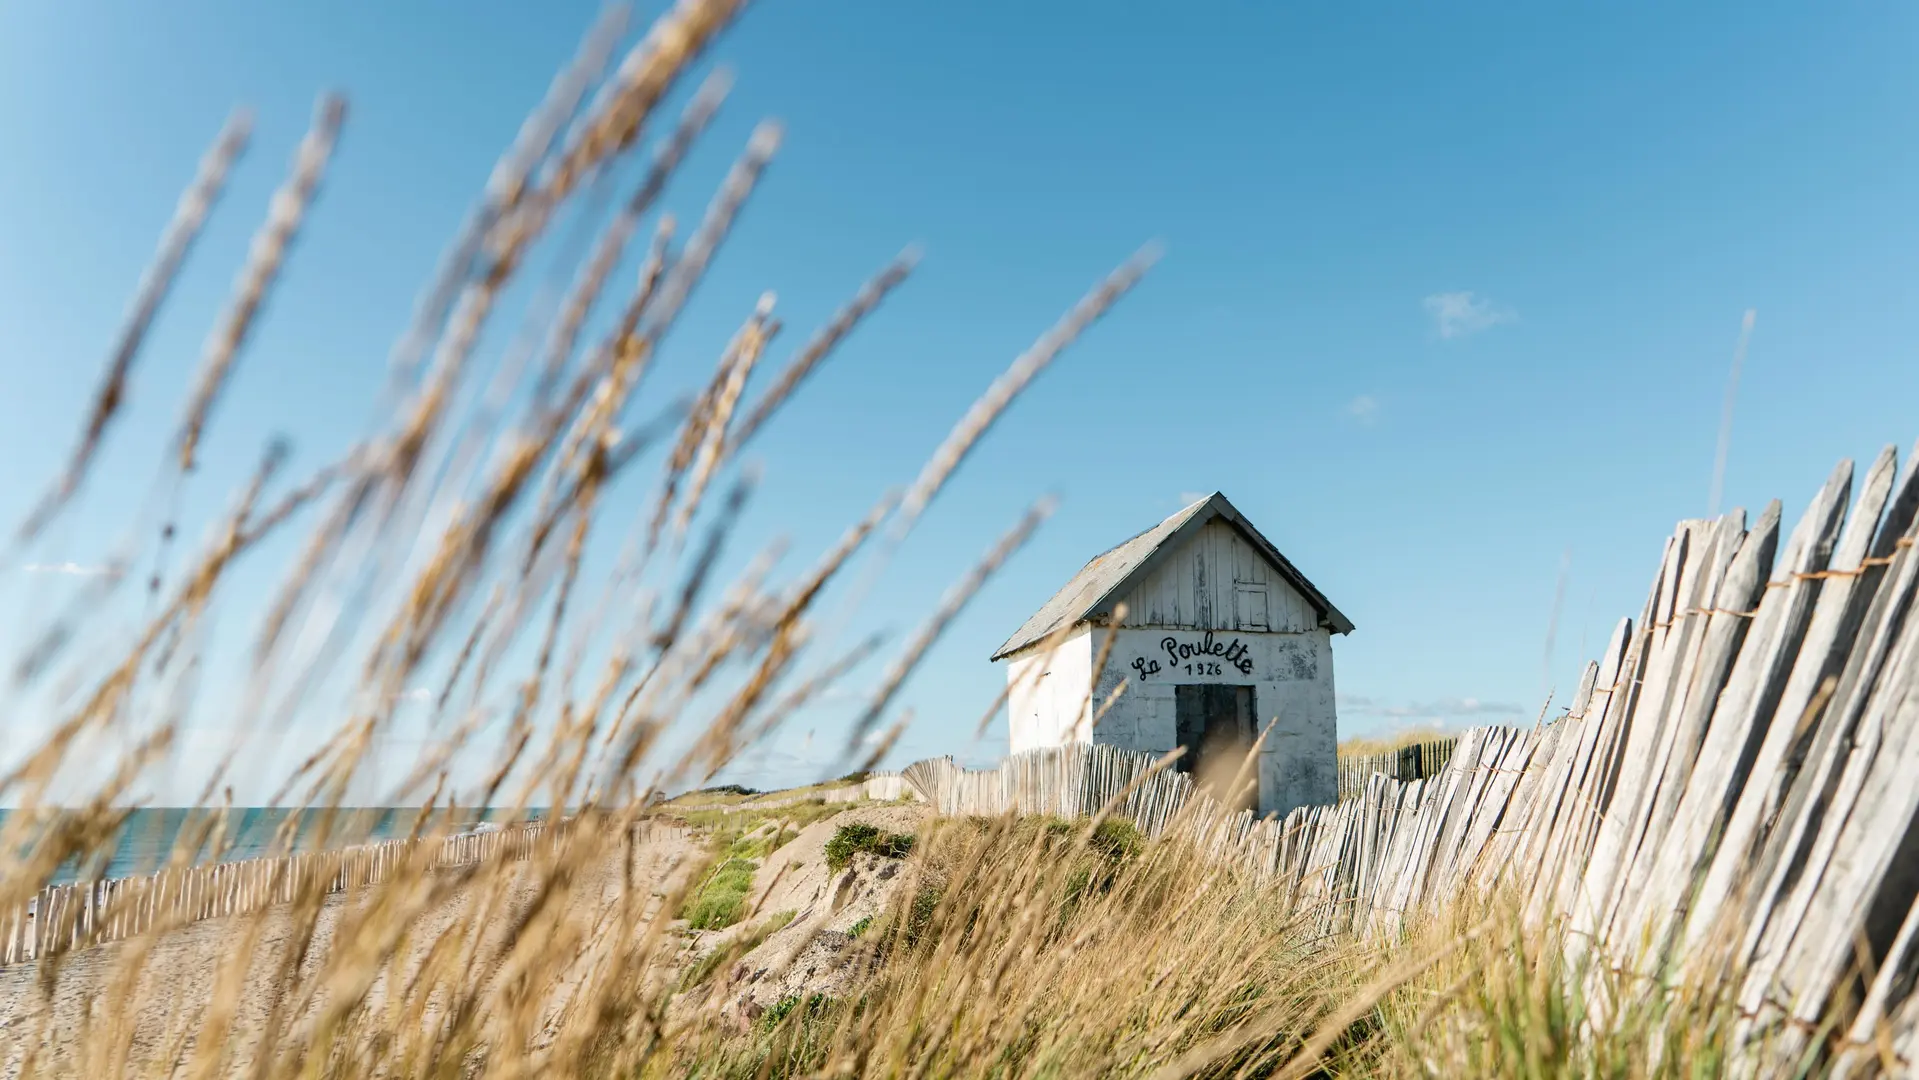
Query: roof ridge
pixel 1086 593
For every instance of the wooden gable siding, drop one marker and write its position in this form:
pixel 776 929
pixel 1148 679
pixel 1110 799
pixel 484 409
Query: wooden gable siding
pixel 1218 582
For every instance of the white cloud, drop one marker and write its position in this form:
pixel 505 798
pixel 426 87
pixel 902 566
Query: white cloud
pixel 1457 314
pixel 71 569
pixel 1363 409
pixel 1188 498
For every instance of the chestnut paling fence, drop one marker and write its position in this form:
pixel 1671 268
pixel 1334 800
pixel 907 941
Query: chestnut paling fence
pixel 60 918
pixel 1733 792
pixel 1414 761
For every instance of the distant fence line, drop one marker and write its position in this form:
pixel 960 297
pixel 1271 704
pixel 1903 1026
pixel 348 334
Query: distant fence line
pixel 1414 761
pixel 879 787
pixel 1731 790
pixel 1068 781
pixel 61 918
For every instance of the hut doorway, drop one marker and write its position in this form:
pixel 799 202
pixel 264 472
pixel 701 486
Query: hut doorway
pixel 1215 725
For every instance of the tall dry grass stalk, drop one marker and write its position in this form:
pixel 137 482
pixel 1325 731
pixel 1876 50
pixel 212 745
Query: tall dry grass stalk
pixel 450 545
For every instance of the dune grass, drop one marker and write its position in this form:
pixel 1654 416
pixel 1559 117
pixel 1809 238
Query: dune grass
pixel 1034 947
pixel 1367 745
pixel 720 899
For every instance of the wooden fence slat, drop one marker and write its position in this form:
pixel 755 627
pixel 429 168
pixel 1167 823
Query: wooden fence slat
pixel 1678 725
pixel 1864 826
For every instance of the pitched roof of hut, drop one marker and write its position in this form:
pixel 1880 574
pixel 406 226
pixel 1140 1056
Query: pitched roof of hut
pixel 1108 576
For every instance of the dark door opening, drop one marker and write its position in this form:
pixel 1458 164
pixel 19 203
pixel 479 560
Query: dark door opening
pixel 1215 725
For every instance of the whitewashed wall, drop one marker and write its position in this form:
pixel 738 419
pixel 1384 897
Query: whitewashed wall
pixel 1216 583
pixel 1292 680
pixel 1291 676
pixel 1046 703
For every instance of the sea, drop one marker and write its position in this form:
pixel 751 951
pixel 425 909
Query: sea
pixel 147 838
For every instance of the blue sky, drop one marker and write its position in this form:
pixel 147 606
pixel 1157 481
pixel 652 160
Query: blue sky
pixel 1448 302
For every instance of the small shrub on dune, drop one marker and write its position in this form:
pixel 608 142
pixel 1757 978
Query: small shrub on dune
pixel 856 838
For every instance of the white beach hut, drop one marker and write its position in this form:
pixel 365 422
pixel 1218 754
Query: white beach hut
pixel 1219 638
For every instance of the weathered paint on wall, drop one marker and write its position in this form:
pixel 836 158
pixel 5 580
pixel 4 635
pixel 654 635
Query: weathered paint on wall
pixel 1291 676
pixel 1217 581
pixel 1292 680
pixel 1046 702
pixel 1210 604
